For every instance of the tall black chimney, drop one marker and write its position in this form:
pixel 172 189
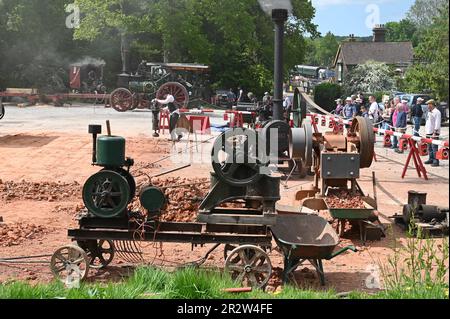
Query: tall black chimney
pixel 279 17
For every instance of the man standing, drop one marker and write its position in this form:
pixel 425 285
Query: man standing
pixel 174 115
pixel 231 97
pixel 416 115
pixel 374 110
pixel 400 125
pixel 287 105
pixel 266 98
pixel 433 131
pixel 349 109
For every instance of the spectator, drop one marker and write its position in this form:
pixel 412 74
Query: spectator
pixel 374 109
pixel 252 97
pixel 417 115
pixel 339 107
pixel 241 96
pixel 400 124
pixel 266 98
pixel 349 109
pixel 433 131
pixel 387 115
pixel 358 105
pixel 364 112
pixel 405 106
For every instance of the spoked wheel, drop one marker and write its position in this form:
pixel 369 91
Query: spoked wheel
pixel 106 194
pixel 122 100
pixel 249 265
pixel 178 91
pixel 70 264
pixel 235 157
pixel 101 253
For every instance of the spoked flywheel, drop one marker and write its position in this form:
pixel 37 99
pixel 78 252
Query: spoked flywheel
pixel 70 264
pixel 106 194
pixel 362 131
pixel 249 265
pixel 235 157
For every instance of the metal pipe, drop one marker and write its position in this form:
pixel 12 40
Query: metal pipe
pixel 279 16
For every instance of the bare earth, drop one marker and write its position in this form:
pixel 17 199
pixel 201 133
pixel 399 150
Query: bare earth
pixel 51 145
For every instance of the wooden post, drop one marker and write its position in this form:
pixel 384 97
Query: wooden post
pixel 108 127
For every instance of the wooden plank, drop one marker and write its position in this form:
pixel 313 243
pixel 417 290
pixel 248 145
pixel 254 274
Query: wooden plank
pixel 21 91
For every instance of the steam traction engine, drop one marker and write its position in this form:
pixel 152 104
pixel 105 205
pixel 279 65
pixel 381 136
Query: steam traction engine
pixel 154 80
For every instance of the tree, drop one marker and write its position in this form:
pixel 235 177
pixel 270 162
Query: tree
pixel 322 50
pixel 431 71
pixel 234 36
pixel 423 12
pixel 370 77
pixel 404 30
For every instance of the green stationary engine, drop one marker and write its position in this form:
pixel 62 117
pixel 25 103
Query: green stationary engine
pixel 108 193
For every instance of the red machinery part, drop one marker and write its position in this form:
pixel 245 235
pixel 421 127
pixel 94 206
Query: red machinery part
pixel 443 154
pixel 423 149
pixel 324 121
pixel 387 141
pixel 403 144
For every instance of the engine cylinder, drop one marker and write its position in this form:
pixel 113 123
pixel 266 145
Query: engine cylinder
pixel 110 151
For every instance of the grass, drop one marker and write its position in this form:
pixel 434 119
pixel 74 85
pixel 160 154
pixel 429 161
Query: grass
pixel 153 283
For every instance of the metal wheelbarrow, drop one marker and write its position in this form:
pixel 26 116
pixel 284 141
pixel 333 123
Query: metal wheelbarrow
pixel 304 238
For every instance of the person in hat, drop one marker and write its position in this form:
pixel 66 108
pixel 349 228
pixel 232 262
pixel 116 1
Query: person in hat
pixel 417 115
pixel 266 98
pixel 169 106
pixel 339 107
pixel 349 109
pixel 433 131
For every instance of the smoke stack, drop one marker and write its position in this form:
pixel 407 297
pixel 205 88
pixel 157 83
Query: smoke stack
pixel 279 17
pixel 351 38
pixel 379 33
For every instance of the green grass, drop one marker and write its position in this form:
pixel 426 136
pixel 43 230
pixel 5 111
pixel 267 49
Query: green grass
pixel 152 283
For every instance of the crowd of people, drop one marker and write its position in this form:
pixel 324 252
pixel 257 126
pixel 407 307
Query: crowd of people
pixel 393 115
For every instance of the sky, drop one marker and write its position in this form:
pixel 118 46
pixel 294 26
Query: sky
pixel 345 17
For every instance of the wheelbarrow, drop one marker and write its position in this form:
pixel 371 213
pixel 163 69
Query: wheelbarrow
pixel 304 238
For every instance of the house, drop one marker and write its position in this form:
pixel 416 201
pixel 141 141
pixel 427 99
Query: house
pixel 352 53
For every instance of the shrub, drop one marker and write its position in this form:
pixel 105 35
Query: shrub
pixel 325 95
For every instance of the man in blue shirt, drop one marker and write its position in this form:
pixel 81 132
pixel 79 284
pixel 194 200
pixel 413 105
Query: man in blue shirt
pixel 349 109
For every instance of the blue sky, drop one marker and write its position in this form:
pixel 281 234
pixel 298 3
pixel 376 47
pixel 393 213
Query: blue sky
pixel 343 17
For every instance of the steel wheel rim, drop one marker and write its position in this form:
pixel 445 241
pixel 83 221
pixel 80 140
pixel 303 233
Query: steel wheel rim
pixel 70 261
pixel 121 100
pixel 103 255
pixel 251 265
pixel 362 128
pixel 178 91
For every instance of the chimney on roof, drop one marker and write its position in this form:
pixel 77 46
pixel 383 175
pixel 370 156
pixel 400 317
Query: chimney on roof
pixel 379 33
pixel 351 38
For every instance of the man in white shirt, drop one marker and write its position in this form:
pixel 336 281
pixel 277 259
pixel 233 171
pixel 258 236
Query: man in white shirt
pixel 174 114
pixel 374 110
pixel 433 131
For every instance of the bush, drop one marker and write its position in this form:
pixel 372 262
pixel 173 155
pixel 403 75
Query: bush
pixel 325 95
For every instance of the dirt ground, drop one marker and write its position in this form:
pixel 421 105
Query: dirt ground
pixel 42 173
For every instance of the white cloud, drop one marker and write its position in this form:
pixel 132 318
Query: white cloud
pixel 328 3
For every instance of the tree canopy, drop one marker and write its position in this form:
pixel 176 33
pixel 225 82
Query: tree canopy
pixel 371 77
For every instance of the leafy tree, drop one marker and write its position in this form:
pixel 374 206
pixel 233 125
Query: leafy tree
pixel 370 77
pixel 431 70
pixel 423 12
pixel 322 50
pixel 404 30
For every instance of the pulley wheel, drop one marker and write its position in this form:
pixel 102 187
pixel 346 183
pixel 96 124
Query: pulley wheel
pixel 70 264
pixel 178 91
pixel 235 157
pixel 299 109
pixel 297 143
pixel 249 265
pixel 106 194
pixel 122 100
pixel 363 129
